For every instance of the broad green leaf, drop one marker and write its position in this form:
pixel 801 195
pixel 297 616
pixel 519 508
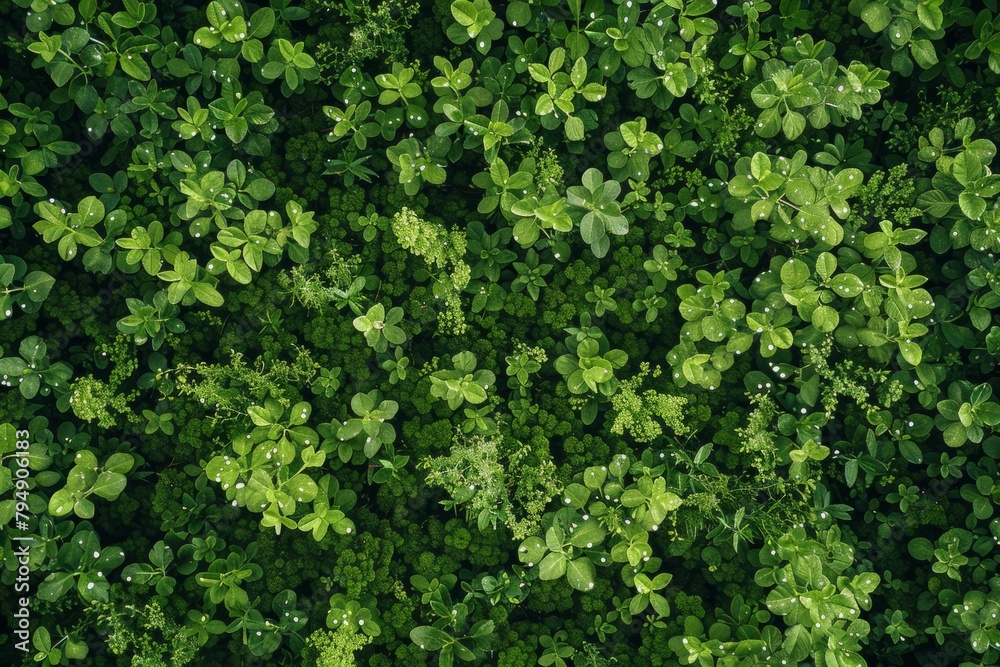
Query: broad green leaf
pixel 972 205
pixel 876 16
pixel 798 643
pixel 587 535
pixel 793 124
pixel 825 319
pixel 923 52
pixel 207 294
pixel 826 264
pixel 109 485
pixel 846 285
pixel 574 128
pixel 921 548
pixel 552 566
pixel 794 273
pixel 911 352
pixel 55 586
pixel 580 573
pixel 429 638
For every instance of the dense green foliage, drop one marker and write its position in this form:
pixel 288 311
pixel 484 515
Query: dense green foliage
pixel 584 332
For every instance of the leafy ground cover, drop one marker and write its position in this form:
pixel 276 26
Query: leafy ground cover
pixel 464 332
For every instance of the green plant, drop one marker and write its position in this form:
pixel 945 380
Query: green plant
pixel 813 597
pixel 88 478
pixel 496 479
pixel 289 63
pixel 632 147
pixel 591 369
pixel 379 327
pixel 947 556
pixel 225 577
pixel 28 297
pixel 417 163
pixel 258 471
pixel 85 565
pixel 329 510
pixel 809 253
pixel 328 382
pixel 70 229
pixel 474 21
pixel 350 613
pixel 812 90
pixel 151 321
pixel 593 206
pixel 530 275
pixel 662 268
pixel 50 653
pixel 555 650
pixel 35 374
pixel 451 633
pixel 160 557
pixel 962 416
pixel 603 300
pixel 462 384
pixel 369 430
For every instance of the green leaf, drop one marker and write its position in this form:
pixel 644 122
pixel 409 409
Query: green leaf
pixel 119 462
pixel 911 352
pixel 851 472
pixel 587 535
pixel 930 15
pixel 109 485
pixel 954 435
pixel 594 477
pixel 989 413
pixel 900 31
pixel 473 393
pixel 574 128
pixel 911 452
pixel 826 264
pixel 576 496
pixel 464 12
pixel 429 638
pixel 846 285
pixel 55 586
pixel 260 189
pixel 794 273
pixel 972 205
pixel 87 9
pixel 61 503
pixel 825 319
pixel 580 573
pixel 135 66
pixel 37 285
pixel 252 50
pixel 531 550
pixel 273 70
pixel 518 14
pixel 923 53
pixel 876 15
pixel 207 294
pixel 798 643
pixel 552 566
pixel 239 271
pixel 769 123
pixel 793 124
pixel 966 168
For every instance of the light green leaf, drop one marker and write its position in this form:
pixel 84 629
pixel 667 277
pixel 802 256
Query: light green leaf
pixel 923 53
pixel 876 15
pixel 580 573
pixel 552 566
